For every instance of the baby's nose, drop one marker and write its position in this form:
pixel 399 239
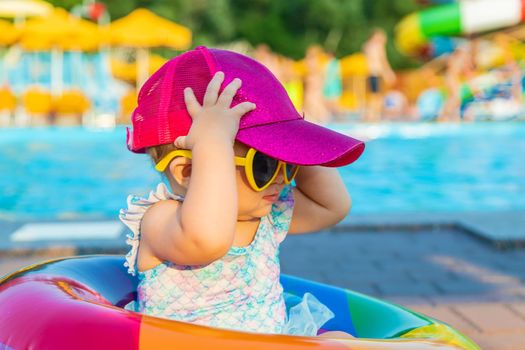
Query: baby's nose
pixel 279 179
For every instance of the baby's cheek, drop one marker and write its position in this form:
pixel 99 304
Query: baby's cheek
pixel 245 194
pixel 250 202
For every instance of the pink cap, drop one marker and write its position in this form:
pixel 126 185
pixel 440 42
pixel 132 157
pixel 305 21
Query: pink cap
pixel 274 127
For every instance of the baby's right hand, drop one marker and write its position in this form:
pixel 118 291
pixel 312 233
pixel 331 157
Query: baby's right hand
pixel 214 120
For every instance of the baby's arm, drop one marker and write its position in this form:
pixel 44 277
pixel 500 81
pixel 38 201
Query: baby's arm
pixel 321 199
pixel 201 229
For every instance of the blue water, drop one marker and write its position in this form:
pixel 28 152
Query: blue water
pixel 62 173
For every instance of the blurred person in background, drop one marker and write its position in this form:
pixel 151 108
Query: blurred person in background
pixel 379 71
pixel 292 82
pixel 511 70
pixel 430 101
pixel 270 60
pixel 315 109
pixel 459 69
pixel 333 86
pixel 395 105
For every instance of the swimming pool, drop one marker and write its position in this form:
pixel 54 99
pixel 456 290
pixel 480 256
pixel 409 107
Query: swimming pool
pixel 74 173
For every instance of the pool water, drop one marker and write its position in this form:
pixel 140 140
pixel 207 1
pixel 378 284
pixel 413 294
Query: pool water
pixel 75 173
pixel 439 168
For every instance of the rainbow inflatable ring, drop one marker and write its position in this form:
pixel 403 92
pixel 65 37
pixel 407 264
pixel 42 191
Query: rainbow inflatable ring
pixel 77 303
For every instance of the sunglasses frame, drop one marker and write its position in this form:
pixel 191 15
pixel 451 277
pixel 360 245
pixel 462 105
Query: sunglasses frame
pixel 246 162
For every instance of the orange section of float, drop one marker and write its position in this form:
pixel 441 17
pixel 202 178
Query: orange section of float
pixel 155 333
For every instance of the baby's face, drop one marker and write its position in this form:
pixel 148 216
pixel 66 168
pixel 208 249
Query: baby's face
pixel 253 204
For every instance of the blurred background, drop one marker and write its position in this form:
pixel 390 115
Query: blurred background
pixel 72 62
pixel 434 87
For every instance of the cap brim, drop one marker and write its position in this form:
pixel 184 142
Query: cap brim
pixel 301 142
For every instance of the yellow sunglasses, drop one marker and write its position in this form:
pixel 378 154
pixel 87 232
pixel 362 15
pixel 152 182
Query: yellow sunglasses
pixel 261 170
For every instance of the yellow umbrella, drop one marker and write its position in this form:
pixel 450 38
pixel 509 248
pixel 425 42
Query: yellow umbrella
pixel 7 99
pixel 354 69
pixel 142 29
pixel 9 33
pixel 128 71
pixel 24 8
pixel 87 36
pixel 60 30
pixel 354 64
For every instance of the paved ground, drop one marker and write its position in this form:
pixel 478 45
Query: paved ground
pixel 446 274
pixel 502 229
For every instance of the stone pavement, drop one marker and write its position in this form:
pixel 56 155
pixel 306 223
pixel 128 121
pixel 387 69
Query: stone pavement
pixel 503 229
pixel 444 273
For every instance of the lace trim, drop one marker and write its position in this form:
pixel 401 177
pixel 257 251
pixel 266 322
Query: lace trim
pixel 132 217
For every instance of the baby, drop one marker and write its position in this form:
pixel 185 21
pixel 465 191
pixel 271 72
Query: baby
pixel 223 131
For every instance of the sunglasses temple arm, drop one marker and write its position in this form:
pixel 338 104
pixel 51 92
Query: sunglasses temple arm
pixel 164 162
pixel 240 161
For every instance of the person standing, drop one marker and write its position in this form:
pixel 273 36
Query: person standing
pixel 314 106
pixel 333 86
pixel 379 71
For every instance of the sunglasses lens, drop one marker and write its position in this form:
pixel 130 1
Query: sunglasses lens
pixel 291 171
pixel 263 168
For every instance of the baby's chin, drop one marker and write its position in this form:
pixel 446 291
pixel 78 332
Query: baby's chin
pixel 255 214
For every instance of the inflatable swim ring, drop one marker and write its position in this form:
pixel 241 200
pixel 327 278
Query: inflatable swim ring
pixel 77 303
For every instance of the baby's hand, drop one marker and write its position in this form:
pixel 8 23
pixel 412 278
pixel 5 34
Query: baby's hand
pixel 214 119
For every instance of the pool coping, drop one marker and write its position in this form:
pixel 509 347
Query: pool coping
pixel 500 230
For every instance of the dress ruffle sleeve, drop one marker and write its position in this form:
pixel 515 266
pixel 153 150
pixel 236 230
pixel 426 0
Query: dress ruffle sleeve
pixel 132 217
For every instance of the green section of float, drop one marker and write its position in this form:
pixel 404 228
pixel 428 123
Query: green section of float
pixel 373 318
pixel 441 20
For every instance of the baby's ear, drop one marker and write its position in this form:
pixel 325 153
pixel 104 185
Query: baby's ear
pixel 180 169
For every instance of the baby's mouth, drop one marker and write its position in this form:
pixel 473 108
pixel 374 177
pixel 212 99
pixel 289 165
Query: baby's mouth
pixel 272 197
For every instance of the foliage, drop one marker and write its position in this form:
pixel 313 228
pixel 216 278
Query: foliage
pixel 288 27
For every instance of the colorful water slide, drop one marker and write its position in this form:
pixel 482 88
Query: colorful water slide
pixel 458 18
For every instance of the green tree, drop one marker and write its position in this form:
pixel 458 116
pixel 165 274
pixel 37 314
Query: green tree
pixel 288 27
